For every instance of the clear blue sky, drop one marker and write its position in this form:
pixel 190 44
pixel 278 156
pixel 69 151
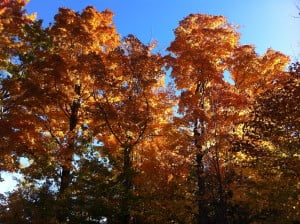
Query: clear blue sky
pixel 264 23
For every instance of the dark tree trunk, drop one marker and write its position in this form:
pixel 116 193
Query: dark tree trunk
pixel 66 177
pixel 127 184
pixel 221 212
pixel 199 129
pixel 221 204
pixel 201 202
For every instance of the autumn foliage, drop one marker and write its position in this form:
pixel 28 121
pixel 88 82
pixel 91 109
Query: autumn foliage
pixel 113 132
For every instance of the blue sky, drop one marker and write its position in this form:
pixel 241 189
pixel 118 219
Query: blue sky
pixel 264 23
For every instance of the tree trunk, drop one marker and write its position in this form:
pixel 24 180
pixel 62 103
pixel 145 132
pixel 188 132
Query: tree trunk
pixel 221 200
pixel 221 204
pixel 127 184
pixel 199 129
pixel 66 177
pixel 201 202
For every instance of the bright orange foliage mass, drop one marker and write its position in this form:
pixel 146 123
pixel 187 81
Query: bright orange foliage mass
pixel 106 136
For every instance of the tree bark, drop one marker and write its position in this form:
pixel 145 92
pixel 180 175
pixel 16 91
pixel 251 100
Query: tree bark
pixel 201 202
pixel 127 184
pixel 202 217
pixel 66 177
pixel 221 204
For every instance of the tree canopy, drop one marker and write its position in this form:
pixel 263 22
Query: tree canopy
pixel 114 132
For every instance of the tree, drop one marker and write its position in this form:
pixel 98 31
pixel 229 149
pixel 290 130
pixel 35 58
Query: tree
pixel 13 22
pixel 130 109
pixel 51 92
pixel 273 135
pixel 202 47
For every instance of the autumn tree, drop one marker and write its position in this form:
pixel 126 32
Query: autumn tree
pixel 50 95
pixel 163 172
pixel 13 22
pixel 253 75
pixel 78 87
pixel 131 108
pixel 201 49
pixel 272 144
